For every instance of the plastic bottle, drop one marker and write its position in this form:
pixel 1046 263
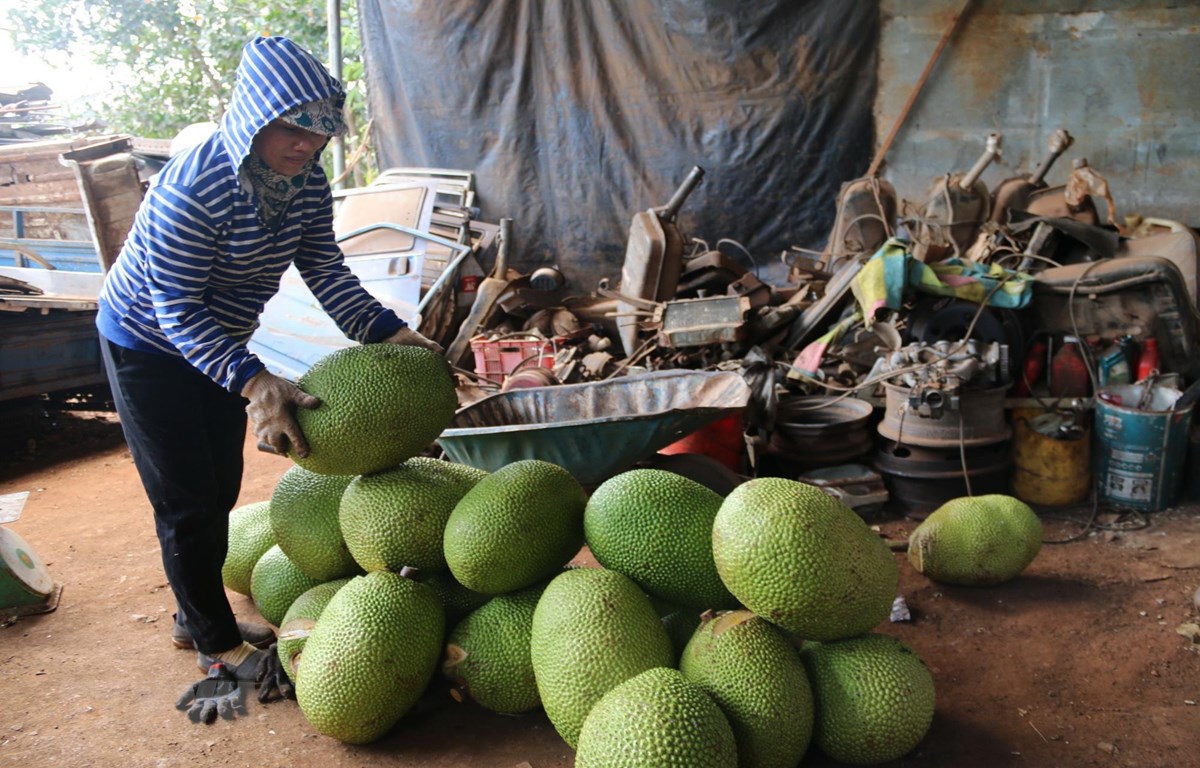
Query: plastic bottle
pixel 1113 367
pixel 1032 369
pixel 1068 371
pixel 1148 362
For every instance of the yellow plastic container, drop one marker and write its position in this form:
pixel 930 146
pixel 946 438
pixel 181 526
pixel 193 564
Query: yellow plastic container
pixel 1051 467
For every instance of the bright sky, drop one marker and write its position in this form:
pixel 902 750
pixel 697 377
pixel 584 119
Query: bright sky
pixel 68 81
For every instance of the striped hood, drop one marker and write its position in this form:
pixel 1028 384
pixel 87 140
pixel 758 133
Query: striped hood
pixel 274 75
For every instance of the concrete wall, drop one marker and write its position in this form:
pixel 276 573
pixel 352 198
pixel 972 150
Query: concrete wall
pixel 1122 76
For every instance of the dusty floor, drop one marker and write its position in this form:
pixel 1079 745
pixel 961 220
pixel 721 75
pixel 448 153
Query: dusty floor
pixel 1077 663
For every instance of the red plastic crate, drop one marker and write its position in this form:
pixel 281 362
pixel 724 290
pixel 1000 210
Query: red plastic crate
pixel 496 359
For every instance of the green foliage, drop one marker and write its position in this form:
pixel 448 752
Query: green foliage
pixel 172 62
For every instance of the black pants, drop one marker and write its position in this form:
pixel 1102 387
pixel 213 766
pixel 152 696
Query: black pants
pixel 186 434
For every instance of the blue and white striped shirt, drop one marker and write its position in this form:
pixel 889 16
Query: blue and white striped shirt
pixel 198 267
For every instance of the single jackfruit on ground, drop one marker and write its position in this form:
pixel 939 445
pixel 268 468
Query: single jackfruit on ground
pixel 250 536
pixel 487 653
pixel 656 718
pixel 397 517
pixel 275 584
pixel 753 671
pixel 656 527
pixel 516 527
pixel 976 541
pixel 370 656
pixel 304 517
pixel 381 404
pixel 874 698
pixel 803 560
pixel 592 630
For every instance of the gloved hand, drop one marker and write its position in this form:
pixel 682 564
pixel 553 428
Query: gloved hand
pixel 219 693
pixel 408 337
pixel 272 400
pixel 272 677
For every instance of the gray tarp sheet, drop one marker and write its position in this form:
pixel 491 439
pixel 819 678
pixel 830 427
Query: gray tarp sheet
pixel 575 115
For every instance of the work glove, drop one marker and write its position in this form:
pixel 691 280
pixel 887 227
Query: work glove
pixel 219 693
pixel 271 405
pixel 272 678
pixel 408 337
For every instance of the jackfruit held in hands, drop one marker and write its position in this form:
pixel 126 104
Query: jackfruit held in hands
pixel 803 560
pixel 753 671
pixel 976 541
pixel 655 527
pixel 874 698
pixel 380 405
pixel 657 718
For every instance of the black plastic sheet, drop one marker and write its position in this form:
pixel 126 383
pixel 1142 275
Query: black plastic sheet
pixel 577 115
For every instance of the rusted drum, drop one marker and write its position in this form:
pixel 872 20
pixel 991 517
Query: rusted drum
pixel 1052 458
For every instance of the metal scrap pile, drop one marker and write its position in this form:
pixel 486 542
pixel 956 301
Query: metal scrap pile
pixel 941 315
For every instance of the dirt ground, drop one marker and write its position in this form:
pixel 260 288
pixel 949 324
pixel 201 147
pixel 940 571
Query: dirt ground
pixel 1076 663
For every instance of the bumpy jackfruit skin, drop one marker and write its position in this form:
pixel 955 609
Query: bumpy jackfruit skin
pixel 457 601
pixel 592 630
pixel 874 698
pixel 976 541
pixel 250 536
pixel 397 517
pixel 753 671
pixel 304 517
pixel 300 619
pixel 516 527
pixel 381 404
pixel 656 719
pixel 655 527
pixel 275 584
pixel 370 656
pixel 487 655
pixel 803 560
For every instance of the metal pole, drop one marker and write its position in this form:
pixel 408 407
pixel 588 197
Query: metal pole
pixel 333 12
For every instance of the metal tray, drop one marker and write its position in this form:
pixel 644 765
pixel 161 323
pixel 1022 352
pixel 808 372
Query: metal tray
pixel 592 430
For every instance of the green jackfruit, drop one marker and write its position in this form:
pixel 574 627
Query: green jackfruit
pixel 803 560
pixel 753 671
pixel 487 654
pixel 397 517
pixel 516 527
pixel 300 619
pixel 304 517
pixel 874 698
pixel 592 630
pixel 381 404
pixel 976 541
pixel 370 656
pixel 276 582
pixel 656 528
pixel 656 718
pixel 250 536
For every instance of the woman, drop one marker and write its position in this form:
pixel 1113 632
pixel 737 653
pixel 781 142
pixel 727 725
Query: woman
pixel 218 227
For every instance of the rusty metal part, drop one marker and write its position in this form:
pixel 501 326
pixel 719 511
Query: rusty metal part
pixel 529 377
pixel 819 430
pixel 752 288
pixel 955 208
pixel 922 478
pixel 935 418
pixel 697 322
pixel 866 212
pixel 1013 193
pixel 710 271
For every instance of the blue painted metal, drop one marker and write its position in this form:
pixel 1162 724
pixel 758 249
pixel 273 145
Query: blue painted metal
pixel 21 250
pixel 1140 451
pixel 592 430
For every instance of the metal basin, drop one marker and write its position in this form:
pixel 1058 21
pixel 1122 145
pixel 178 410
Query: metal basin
pixel 593 430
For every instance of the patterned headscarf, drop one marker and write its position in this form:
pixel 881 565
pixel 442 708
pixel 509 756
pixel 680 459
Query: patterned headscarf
pixel 322 117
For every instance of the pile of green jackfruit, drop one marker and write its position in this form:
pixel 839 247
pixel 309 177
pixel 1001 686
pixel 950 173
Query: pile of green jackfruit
pixel 716 631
